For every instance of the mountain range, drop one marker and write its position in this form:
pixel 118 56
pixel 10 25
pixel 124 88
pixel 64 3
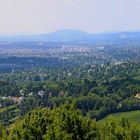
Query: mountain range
pixel 76 36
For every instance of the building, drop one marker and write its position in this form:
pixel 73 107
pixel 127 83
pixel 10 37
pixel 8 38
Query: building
pixel 137 96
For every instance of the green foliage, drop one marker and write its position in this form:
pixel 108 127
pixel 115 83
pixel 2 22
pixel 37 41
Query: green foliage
pixel 124 130
pixel 8 114
pixel 67 123
pixel 2 132
pixel 33 126
pixel 60 123
pixel 133 116
pixel 97 90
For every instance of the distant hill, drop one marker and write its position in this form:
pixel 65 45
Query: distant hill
pixel 77 36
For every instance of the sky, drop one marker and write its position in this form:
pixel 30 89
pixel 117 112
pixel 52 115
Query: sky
pixel 43 16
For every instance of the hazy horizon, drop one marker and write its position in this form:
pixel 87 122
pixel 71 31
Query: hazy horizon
pixel 45 16
pixel 59 30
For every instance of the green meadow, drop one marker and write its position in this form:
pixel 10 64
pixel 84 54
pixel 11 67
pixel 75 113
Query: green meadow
pixel 133 116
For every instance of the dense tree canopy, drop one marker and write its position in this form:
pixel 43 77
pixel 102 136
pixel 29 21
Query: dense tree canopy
pixel 67 123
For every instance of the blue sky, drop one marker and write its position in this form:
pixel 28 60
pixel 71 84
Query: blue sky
pixel 43 16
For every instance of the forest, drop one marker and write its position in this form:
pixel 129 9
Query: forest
pixel 67 102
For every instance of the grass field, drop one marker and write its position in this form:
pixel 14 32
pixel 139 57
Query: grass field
pixel 133 116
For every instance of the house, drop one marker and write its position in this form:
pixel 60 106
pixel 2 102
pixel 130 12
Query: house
pixel 14 99
pixel 50 94
pixel 4 98
pixel 20 99
pixel 21 92
pixel 17 99
pixel 61 94
pixel 41 93
pixel 30 94
pixel 137 96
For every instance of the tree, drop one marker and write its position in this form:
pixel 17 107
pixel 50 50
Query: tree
pixel 2 132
